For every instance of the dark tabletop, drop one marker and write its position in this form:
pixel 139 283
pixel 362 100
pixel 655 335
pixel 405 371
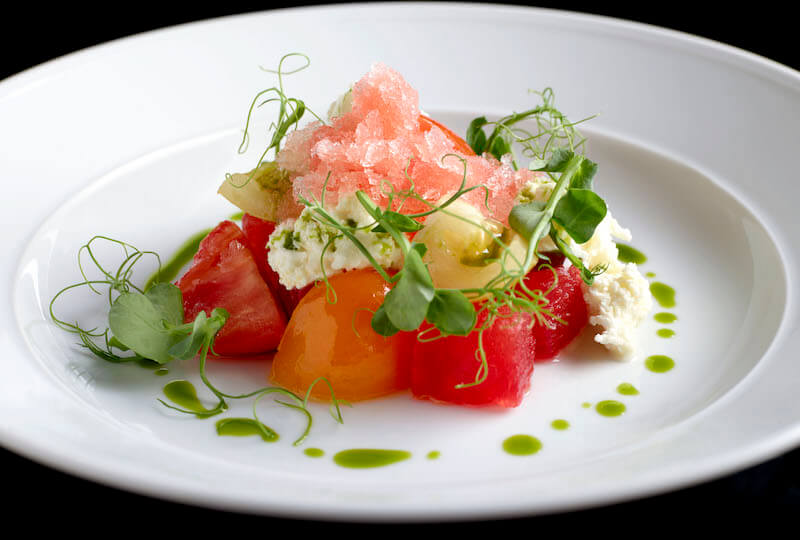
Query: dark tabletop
pixel 39 496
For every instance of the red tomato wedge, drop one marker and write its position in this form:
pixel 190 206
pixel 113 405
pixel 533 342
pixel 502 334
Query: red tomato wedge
pixel 224 274
pixel 257 232
pixel 565 302
pixel 438 366
pixel 426 123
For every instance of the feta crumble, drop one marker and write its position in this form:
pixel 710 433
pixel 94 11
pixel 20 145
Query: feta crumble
pixel 619 299
pixel 300 250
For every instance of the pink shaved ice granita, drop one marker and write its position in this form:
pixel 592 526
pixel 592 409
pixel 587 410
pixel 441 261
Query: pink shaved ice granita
pixel 381 140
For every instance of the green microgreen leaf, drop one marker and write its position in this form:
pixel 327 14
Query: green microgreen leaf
pixel 476 138
pixel 407 303
pixel 584 175
pixel 399 221
pixel 525 218
pixel 143 326
pixel 451 312
pixel 558 160
pixel 579 212
pixel 500 144
pixel 204 328
pixel 381 324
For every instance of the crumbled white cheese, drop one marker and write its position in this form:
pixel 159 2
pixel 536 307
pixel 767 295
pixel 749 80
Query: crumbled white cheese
pixel 619 299
pixel 300 249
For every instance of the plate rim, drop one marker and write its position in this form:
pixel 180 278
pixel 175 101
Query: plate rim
pixel 790 439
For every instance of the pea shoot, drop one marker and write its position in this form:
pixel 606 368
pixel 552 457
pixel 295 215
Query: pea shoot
pixel 147 325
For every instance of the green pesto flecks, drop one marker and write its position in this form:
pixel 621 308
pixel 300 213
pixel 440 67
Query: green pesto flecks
pixel 586 405
pixel 433 454
pixel 169 271
pixel 183 394
pixel 665 317
pixel 368 458
pixel 245 427
pixel 650 275
pixel 610 407
pixel 658 363
pixel 664 294
pixel 522 445
pixel 626 254
pixel 314 452
pixel 665 332
pixel 161 371
pixel 559 424
pixel 627 389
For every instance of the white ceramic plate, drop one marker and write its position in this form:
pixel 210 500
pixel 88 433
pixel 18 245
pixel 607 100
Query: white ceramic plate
pixel 131 139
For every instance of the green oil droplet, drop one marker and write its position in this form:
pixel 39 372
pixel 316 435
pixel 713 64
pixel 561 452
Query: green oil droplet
pixel 627 389
pixel 610 407
pixel 522 445
pixel 313 452
pixel 245 427
pixel 183 394
pixel 161 371
pixel 664 294
pixel 628 254
pixel 658 363
pixel 650 274
pixel 367 458
pixel 665 317
pixel 433 454
pixel 559 424
pixel 665 332
pixel 586 404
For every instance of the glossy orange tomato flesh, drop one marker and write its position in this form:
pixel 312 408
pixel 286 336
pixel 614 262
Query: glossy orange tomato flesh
pixel 335 340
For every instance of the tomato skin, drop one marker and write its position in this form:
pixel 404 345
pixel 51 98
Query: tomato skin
pixel 224 274
pixel 336 341
pixel 426 123
pixel 258 231
pixel 438 366
pixel 565 302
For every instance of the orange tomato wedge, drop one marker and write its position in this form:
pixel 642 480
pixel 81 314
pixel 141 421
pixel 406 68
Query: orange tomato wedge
pixel 426 123
pixel 336 341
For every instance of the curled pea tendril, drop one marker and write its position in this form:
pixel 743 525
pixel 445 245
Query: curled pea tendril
pixel 119 283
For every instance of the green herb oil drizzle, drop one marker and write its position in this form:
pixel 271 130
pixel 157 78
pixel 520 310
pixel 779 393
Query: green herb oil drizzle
pixel 610 407
pixel 627 389
pixel 658 363
pixel 522 445
pixel 664 294
pixel 245 427
pixel 368 458
pixel 182 256
pixel 665 317
pixel 182 393
pixel 628 254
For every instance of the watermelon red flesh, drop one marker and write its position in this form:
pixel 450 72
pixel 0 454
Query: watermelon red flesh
pixel 438 366
pixel 565 302
pixel 257 232
pixel 224 274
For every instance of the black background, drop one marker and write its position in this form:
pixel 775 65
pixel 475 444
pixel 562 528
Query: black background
pixel 42 498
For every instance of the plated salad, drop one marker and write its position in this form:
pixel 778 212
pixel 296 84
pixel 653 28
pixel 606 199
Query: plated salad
pixel 377 251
